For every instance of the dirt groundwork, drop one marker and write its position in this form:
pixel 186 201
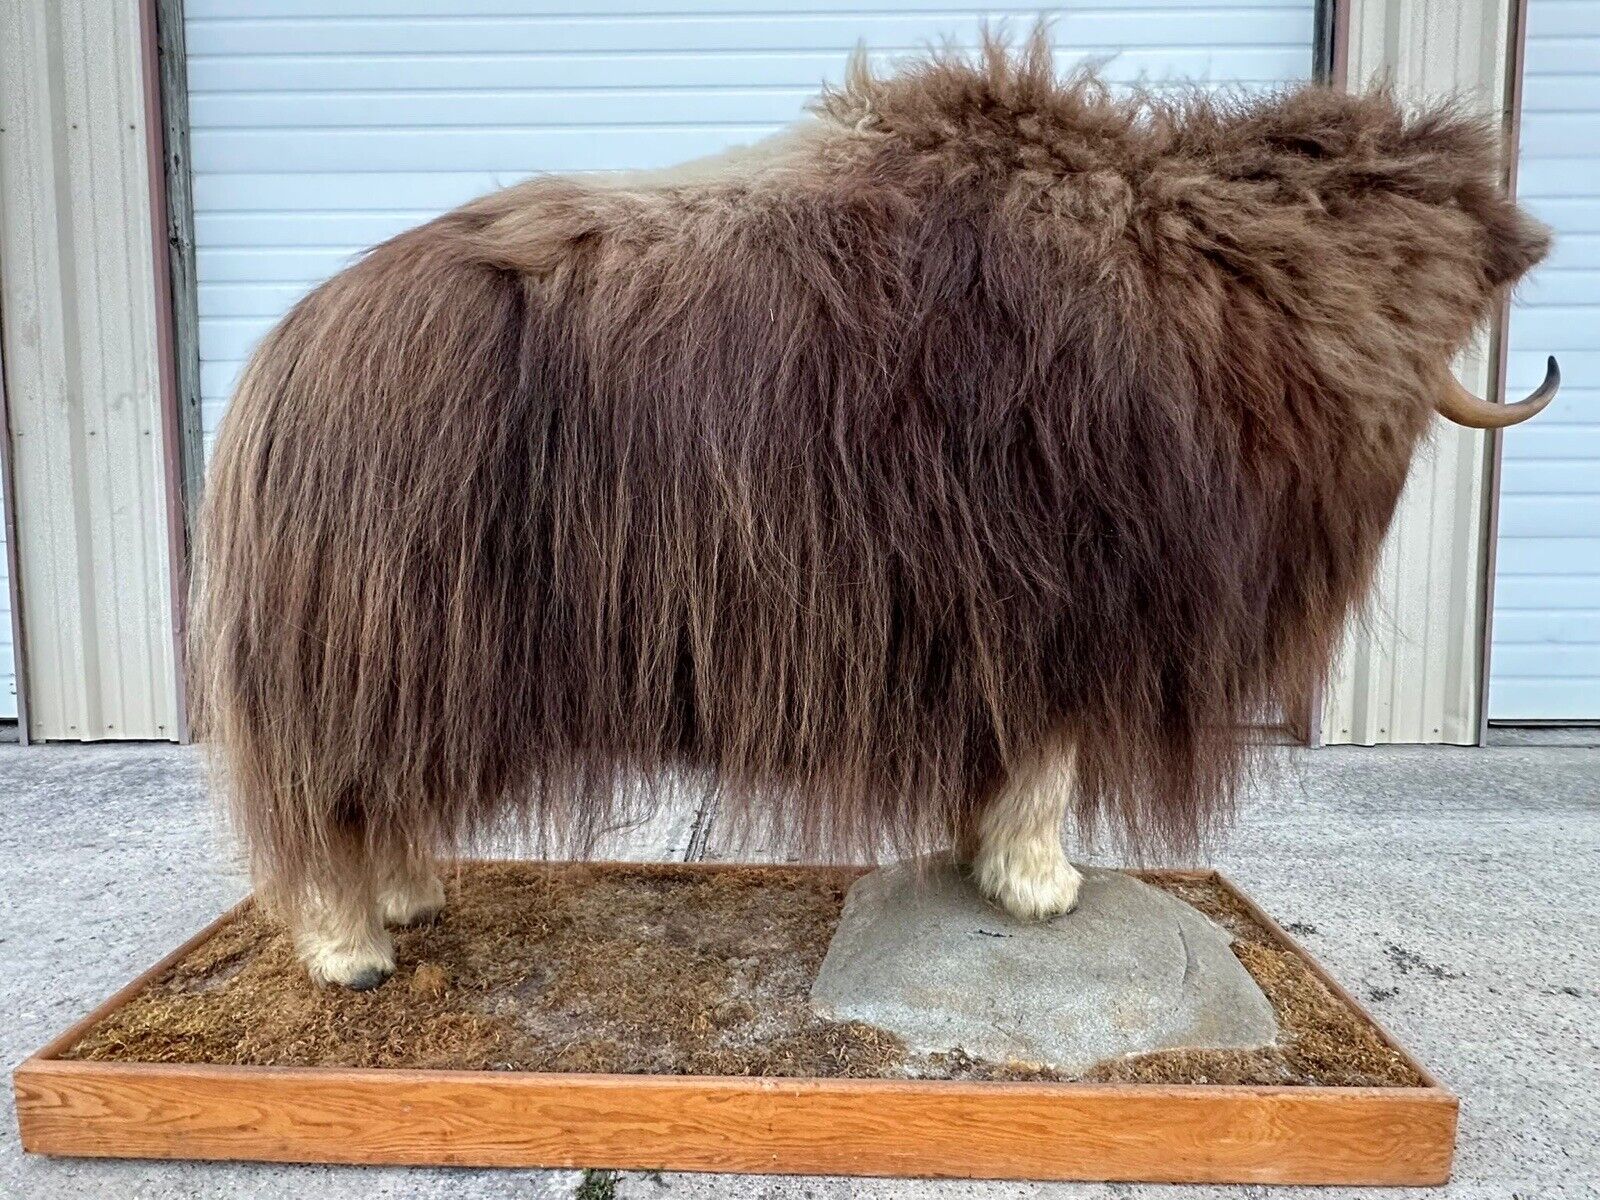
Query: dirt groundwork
pixel 655 969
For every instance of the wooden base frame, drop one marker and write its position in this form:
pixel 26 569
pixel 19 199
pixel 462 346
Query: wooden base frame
pixel 1188 1133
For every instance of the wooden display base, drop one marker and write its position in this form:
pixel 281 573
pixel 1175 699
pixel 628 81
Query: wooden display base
pixel 1169 1133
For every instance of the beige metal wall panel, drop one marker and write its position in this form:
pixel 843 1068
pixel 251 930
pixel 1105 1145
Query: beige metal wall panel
pixel 77 288
pixel 1409 671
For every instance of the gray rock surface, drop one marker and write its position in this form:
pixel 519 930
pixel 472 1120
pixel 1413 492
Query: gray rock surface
pixel 1131 969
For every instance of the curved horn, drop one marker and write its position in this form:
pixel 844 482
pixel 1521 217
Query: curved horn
pixel 1462 407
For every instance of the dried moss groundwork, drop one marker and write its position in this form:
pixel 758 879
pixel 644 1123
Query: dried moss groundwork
pixel 654 969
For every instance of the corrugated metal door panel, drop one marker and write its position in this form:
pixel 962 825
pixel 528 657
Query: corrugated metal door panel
pixel 81 373
pixel 1546 654
pixel 322 126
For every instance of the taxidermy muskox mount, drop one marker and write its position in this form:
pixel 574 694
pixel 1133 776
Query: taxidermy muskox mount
pixel 983 450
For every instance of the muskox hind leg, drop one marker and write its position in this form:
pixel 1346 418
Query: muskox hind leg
pixel 1018 860
pixel 410 891
pixel 338 925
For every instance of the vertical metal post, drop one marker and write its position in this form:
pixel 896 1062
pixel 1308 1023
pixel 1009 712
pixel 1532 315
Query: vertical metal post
pixel 166 102
pixel 8 502
pixel 1516 46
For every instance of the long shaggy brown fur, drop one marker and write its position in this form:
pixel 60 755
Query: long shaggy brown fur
pixel 984 408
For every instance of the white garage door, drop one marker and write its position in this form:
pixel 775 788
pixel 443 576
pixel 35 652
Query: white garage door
pixel 1546 661
pixel 323 126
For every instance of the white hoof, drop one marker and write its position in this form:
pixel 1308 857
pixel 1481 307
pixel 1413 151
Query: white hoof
pixel 360 965
pixel 413 904
pixel 1032 883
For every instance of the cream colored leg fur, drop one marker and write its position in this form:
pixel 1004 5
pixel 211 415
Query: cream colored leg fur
pixel 343 939
pixel 411 894
pixel 1020 863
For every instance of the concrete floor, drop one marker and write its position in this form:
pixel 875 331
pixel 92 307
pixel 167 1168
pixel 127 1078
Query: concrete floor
pixel 1453 890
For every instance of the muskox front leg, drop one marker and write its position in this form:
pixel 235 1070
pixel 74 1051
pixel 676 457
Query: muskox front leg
pixel 1019 861
pixel 338 927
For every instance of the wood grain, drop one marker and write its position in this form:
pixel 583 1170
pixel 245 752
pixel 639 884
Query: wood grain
pixel 852 1127
pixel 925 1128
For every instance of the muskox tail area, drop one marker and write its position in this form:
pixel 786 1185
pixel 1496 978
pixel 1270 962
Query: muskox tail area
pixel 356 623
